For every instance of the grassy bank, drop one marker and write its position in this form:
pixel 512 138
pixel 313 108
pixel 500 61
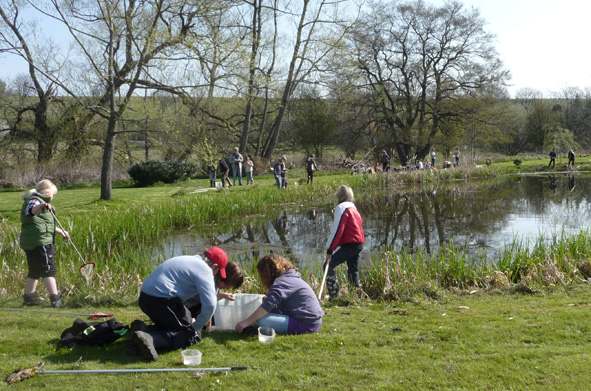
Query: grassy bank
pixel 479 341
pixel 120 236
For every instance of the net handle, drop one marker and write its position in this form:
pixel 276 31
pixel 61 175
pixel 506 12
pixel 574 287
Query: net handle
pixel 84 263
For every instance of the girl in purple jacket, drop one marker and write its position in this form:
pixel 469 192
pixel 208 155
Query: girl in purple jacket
pixel 290 305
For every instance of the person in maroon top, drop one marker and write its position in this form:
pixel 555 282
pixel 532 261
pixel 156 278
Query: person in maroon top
pixel 345 241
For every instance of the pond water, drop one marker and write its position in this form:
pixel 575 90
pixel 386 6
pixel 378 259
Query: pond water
pixel 481 218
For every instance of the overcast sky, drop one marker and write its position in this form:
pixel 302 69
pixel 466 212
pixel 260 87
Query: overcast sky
pixel 545 44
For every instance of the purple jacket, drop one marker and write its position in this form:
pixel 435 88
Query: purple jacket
pixel 290 295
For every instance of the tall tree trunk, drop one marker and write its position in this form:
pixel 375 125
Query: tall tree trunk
pixel 46 136
pixel 256 30
pixel 107 166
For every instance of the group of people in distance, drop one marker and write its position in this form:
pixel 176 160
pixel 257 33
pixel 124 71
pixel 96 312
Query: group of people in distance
pixel 570 155
pixel 181 294
pixel 419 164
pixel 234 165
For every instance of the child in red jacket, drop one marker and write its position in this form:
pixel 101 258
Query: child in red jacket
pixel 345 241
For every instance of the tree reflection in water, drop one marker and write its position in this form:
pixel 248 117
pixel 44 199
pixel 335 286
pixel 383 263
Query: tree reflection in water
pixel 477 217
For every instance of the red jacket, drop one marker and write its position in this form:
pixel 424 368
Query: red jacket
pixel 347 227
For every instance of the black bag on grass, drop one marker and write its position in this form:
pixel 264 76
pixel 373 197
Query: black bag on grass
pixel 92 334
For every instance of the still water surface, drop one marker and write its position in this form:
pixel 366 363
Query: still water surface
pixel 480 218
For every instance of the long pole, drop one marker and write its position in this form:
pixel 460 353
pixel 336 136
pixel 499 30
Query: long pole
pixel 70 240
pixel 135 370
pixel 323 281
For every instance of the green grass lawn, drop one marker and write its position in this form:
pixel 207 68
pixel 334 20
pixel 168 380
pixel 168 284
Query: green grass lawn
pixel 482 341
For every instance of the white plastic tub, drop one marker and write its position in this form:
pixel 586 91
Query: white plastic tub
pixel 228 312
pixel 266 335
pixel 191 357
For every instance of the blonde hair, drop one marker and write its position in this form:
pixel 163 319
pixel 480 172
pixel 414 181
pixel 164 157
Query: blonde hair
pixel 345 194
pixel 46 188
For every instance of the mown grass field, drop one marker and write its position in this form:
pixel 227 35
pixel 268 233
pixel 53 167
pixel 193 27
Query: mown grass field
pixel 480 341
pixel 493 340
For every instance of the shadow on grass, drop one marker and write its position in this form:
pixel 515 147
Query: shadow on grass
pixel 222 337
pixel 119 352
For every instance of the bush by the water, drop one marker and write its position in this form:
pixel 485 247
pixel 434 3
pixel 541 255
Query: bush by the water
pixel 153 171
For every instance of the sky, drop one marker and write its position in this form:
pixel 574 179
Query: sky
pixel 545 44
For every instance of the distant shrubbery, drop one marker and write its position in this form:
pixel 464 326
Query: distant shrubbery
pixel 152 171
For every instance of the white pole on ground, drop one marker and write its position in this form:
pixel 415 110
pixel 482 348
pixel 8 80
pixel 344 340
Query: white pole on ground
pixel 323 281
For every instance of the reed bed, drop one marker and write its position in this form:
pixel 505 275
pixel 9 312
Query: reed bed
pixel 121 240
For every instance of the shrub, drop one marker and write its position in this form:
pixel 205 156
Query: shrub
pixel 152 171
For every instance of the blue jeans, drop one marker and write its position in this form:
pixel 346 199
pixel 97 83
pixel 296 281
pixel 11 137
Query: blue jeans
pixel 278 181
pixel 278 322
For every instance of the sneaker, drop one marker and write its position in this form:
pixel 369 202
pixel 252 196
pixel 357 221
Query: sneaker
pixel 31 299
pixel 56 301
pixel 145 345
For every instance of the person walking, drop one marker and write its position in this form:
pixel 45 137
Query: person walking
pixel 225 171
pixel 552 156
pixel 345 241
pixel 284 172
pixel 236 160
pixel 571 158
pixel 277 170
pixel 211 173
pixel 167 292
pixel 385 159
pixel 249 170
pixel 290 305
pixel 37 239
pixel 310 168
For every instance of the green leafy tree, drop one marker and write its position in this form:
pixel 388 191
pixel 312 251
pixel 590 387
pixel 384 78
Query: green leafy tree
pixel 314 124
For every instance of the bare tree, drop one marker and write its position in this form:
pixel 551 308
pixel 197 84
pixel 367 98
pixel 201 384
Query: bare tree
pixel 118 41
pixel 415 58
pixel 16 39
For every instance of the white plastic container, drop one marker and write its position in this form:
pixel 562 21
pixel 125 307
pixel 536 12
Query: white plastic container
pixel 191 357
pixel 229 312
pixel 266 335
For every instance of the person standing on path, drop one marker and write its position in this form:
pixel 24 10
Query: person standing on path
pixel 433 158
pixel 571 158
pixel 552 162
pixel 345 241
pixel 249 170
pixel 310 168
pixel 236 160
pixel 225 171
pixel 37 239
pixel 165 295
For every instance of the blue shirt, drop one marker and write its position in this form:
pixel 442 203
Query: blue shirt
pixel 185 277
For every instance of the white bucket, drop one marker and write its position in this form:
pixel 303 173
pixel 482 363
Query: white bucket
pixel 229 312
pixel 191 357
pixel 266 335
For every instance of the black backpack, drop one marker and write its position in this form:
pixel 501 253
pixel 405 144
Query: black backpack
pixel 92 334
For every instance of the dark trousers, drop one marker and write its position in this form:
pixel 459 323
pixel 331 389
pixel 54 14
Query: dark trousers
pixel 552 162
pixel 172 321
pixel 310 176
pixel 346 253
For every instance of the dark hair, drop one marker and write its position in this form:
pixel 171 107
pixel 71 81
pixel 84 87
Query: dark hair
pixel 272 266
pixel 234 276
